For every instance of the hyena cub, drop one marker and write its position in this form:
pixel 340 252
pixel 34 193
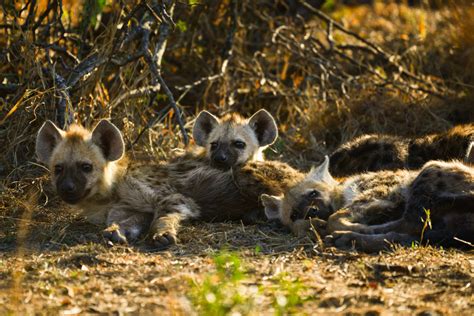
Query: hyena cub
pixel 233 140
pixel 89 171
pixel 369 209
pixel 389 152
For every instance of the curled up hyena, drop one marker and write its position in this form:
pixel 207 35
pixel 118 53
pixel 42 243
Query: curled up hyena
pixel 368 210
pixel 390 152
pixel 89 170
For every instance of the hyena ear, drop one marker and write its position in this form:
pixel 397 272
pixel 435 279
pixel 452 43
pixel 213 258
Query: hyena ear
pixel 470 153
pixel 272 205
pixel 49 135
pixel 108 137
pixel 321 173
pixel 264 126
pixel 205 123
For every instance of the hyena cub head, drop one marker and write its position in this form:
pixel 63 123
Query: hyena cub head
pixel 234 140
pixel 81 162
pixel 310 198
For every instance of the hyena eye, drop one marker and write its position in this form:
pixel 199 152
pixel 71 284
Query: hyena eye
pixel 313 194
pixel 294 215
pixel 58 169
pixel 86 167
pixel 214 145
pixel 239 144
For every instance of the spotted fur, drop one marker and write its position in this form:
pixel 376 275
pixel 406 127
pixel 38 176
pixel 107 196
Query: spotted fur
pixel 389 152
pixel 372 208
pixel 131 197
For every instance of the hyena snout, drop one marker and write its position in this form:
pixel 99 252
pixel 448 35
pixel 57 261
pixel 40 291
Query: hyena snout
pixel 68 187
pixel 71 188
pixel 316 210
pixel 223 158
pixel 312 212
pixel 312 208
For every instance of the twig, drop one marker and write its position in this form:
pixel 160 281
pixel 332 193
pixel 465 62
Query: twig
pixel 389 58
pixel 227 52
pixel 64 110
pixel 125 21
pixel 31 14
pixel 84 68
pixel 154 62
pixel 135 93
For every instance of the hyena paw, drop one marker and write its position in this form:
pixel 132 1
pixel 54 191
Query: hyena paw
pixel 344 239
pixel 115 236
pixel 164 240
pixel 121 235
pixel 329 240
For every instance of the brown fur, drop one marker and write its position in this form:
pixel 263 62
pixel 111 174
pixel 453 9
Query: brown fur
pixel 128 196
pixel 387 152
pixel 370 209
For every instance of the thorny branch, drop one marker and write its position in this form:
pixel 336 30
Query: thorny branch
pixel 154 62
pixel 229 55
pixel 136 26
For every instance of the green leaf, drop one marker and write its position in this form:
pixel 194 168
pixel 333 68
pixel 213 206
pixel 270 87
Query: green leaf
pixel 329 5
pixel 182 26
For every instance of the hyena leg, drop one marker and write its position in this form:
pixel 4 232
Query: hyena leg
pixel 124 226
pixel 451 215
pixel 370 243
pixel 351 218
pixel 172 210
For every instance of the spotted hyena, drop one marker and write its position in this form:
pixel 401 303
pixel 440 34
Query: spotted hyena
pixel 368 210
pixel 233 140
pixel 389 152
pixel 90 171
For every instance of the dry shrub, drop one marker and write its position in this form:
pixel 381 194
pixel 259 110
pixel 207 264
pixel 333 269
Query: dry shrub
pixel 432 43
pixel 324 84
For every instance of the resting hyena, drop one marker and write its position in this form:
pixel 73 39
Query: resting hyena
pixel 388 152
pixel 89 170
pixel 233 140
pixel 372 208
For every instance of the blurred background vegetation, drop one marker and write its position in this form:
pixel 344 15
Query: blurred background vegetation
pixel 328 70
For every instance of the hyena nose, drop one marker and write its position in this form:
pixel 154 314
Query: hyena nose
pixel 221 158
pixel 312 212
pixel 69 187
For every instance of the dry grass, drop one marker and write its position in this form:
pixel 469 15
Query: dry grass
pixel 67 268
pixel 53 262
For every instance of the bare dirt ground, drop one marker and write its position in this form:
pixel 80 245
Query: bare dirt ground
pixel 64 266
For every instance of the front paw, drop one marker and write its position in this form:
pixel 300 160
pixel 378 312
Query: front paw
pixel 164 240
pixel 344 239
pixel 115 236
pixel 121 234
